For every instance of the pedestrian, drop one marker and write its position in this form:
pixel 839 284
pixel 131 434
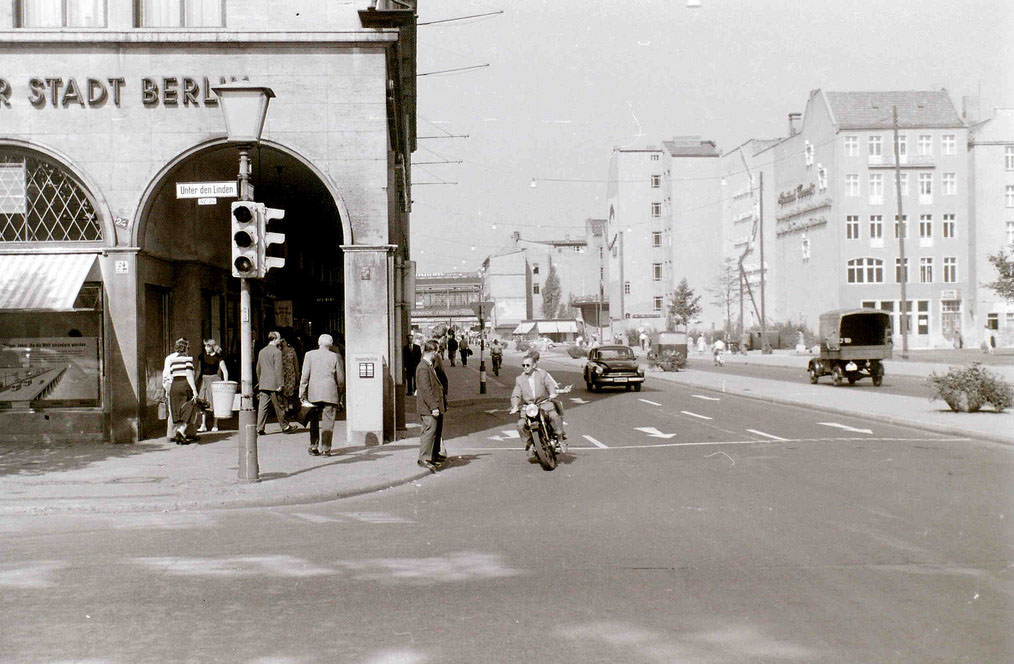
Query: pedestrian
pixel 322 383
pixel 452 346
pixel 411 356
pixel 717 349
pixel 288 395
pixel 438 366
pixel 211 363
pixel 269 384
pixel 431 404
pixel 180 387
pixel 464 349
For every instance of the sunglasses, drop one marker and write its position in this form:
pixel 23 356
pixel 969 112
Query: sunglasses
pixel 526 364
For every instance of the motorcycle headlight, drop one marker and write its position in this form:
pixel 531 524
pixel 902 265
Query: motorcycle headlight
pixel 531 410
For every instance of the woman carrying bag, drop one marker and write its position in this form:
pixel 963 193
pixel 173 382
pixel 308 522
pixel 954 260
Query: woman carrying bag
pixel 213 369
pixel 180 388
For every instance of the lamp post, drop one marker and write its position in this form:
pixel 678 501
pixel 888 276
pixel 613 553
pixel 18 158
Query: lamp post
pixel 245 108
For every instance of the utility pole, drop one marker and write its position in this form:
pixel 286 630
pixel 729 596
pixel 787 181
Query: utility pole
pixel 902 232
pixel 765 346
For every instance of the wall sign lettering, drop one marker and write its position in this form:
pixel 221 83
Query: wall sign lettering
pixel 94 92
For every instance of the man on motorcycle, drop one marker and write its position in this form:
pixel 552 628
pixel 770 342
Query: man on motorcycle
pixel 496 355
pixel 531 386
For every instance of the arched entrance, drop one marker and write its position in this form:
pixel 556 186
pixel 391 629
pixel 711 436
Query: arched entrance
pixel 185 288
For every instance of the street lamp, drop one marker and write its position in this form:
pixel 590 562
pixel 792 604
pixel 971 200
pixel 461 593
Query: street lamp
pixel 245 107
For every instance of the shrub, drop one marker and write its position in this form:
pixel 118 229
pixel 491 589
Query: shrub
pixel 522 345
pixel 969 388
pixel 633 337
pixel 576 351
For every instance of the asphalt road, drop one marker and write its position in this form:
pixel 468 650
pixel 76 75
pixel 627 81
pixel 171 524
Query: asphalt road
pixel 684 526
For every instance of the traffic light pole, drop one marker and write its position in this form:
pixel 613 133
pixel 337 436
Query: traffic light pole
pixel 248 467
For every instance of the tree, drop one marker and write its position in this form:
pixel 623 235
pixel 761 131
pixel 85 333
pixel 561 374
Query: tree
pixel 551 294
pixel 1004 264
pixel 726 290
pixel 684 308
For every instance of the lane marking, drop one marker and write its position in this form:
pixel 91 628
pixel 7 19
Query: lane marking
pixel 701 396
pixel 511 433
pixel 766 435
pixel 654 433
pixel 594 442
pixel 653 403
pixel 579 401
pixel 752 441
pixel 703 417
pixel 845 427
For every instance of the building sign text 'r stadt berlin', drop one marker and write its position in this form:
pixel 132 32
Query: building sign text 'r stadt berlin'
pixel 151 92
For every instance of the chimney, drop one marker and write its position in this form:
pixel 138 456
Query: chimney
pixel 793 119
pixel 970 109
pixel 516 237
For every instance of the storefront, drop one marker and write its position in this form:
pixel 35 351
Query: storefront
pixel 104 261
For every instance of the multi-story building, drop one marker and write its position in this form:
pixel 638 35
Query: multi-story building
pixel 664 207
pixel 838 238
pixel 446 301
pixel 110 123
pixel 508 283
pixel 991 167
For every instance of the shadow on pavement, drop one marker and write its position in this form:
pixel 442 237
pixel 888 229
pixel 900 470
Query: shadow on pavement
pixel 42 458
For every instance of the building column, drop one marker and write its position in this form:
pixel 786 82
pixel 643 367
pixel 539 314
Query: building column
pixel 369 346
pixel 122 350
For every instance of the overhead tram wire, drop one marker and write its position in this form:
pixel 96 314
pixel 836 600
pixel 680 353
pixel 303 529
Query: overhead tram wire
pixel 451 71
pixel 460 18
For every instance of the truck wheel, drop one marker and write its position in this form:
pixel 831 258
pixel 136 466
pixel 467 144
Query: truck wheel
pixel 836 375
pixel 814 374
pixel 852 379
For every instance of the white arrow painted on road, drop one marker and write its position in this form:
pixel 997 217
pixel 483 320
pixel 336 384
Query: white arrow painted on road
pixel 500 438
pixel 579 400
pixel 701 396
pixel 654 433
pixel 653 403
pixel 846 428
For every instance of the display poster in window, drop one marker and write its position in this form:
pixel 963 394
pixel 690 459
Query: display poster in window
pixel 49 371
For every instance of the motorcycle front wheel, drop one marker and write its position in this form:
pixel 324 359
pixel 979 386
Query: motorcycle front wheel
pixel 544 451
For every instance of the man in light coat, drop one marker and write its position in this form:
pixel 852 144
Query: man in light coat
pixel 270 378
pixel 431 403
pixel 322 383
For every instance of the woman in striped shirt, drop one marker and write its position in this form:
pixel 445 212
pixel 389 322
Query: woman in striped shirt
pixel 179 384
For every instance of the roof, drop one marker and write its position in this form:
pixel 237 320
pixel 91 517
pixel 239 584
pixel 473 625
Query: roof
pixel 691 147
pixel 872 110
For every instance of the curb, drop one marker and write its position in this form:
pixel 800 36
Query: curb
pixel 889 419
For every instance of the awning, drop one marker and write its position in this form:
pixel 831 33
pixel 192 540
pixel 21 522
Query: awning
pixel 524 328
pixel 44 282
pixel 557 327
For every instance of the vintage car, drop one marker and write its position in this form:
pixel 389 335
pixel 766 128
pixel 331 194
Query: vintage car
pixel 852 344
pixel 613 366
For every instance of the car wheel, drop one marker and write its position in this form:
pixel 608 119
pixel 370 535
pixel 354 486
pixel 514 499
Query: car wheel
pixel 637 388
pixel 589 386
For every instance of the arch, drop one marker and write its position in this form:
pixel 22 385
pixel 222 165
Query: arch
pixel 150 192
pixel 89 185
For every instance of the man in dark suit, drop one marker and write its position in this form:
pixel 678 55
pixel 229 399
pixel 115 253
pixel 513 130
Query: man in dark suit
pixel 412 355
pixel 321 383
pixel 270 379
pixel 431 403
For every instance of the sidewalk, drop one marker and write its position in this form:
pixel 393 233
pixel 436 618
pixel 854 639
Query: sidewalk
pixel 157 476
pixel 861 399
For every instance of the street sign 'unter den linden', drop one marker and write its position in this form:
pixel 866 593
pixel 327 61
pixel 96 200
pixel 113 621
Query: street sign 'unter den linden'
pixel 207 190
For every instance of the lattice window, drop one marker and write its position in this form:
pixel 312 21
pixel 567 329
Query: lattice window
pixel 41 202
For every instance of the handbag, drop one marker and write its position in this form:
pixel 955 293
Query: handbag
pixel 163 409
pixel 190 412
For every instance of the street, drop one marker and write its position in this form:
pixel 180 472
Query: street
pixel 683 526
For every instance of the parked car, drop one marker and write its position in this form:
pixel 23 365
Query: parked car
pixel 613 366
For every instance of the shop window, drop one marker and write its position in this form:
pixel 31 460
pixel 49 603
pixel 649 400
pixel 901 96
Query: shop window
pixel 40 201
pixel 992 321
pixel 60 13
pixel 180 13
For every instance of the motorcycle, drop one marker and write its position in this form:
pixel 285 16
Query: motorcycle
pixel 544 441
pixel 496 359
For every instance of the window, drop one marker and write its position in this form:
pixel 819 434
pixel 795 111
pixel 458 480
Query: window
pixel 61 14
pixel 992 321
pixel 656 209
pixel 926 270
pixel 626 288
pixel 657 303
pixel 182 14
pixel 865 270
pixel 876 226
pixel 851 146
pixel 852 227
pixel 902 147
pixel 949 230
pixel 535 268
pixel 926 226
pixel 656 181
pixel 876 188
pixel 1008 157
pixel 535 289
pixel 900 271
pixel 1008 197
pixel 925 144
pixel 901 230
pixel 852 185
pixel 947 144
pixel 654 157
pixel 925 187
pixel 656 272
pixel 875 145
pixel 950 269
pixel 949 184
pixel 40 201
pixel 656 238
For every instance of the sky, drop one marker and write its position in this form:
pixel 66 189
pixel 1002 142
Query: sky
pixel 560 83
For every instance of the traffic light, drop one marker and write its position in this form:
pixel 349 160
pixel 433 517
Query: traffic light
pixel 246 217
pixel 268 238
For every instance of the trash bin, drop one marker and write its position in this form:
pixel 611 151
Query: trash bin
pixel 222 393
